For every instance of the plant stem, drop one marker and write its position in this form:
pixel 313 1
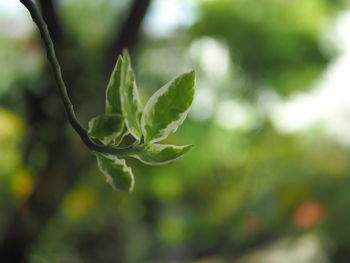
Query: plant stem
pixel 68 106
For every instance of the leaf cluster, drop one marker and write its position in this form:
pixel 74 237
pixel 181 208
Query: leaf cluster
pixel 125 115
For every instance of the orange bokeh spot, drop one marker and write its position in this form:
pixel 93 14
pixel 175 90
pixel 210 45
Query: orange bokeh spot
pixel 251 224
pixel 308 214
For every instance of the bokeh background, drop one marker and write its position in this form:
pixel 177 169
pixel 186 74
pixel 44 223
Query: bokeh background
pixel 269 178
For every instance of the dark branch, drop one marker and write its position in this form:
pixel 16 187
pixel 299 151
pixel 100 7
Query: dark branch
pixel 127 37
pixel 52 20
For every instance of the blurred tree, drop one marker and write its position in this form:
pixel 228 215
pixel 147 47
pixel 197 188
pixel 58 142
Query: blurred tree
pixel 58 174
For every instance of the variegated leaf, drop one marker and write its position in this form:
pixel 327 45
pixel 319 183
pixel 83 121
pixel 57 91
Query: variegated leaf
pixel 158 154
pixel 113 87
pixel 167 108
pixel 117 173
pixel 130 100
pixel 107 127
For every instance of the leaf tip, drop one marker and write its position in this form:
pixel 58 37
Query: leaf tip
pixel 111 182
pixel 191 74
pixel 190 146
pixel 126 54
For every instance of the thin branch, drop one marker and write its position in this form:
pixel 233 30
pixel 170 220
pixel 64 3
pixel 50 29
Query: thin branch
pixel 68 106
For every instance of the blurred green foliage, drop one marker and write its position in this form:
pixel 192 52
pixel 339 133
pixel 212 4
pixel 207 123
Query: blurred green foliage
pixel 290 30
pixel 241 189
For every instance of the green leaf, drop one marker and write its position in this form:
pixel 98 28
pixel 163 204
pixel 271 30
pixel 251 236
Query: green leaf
pixel 117 173
pixel 167 108
pixel 106 127
pixel 158 154
pixel 130 100
pixel 113 87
